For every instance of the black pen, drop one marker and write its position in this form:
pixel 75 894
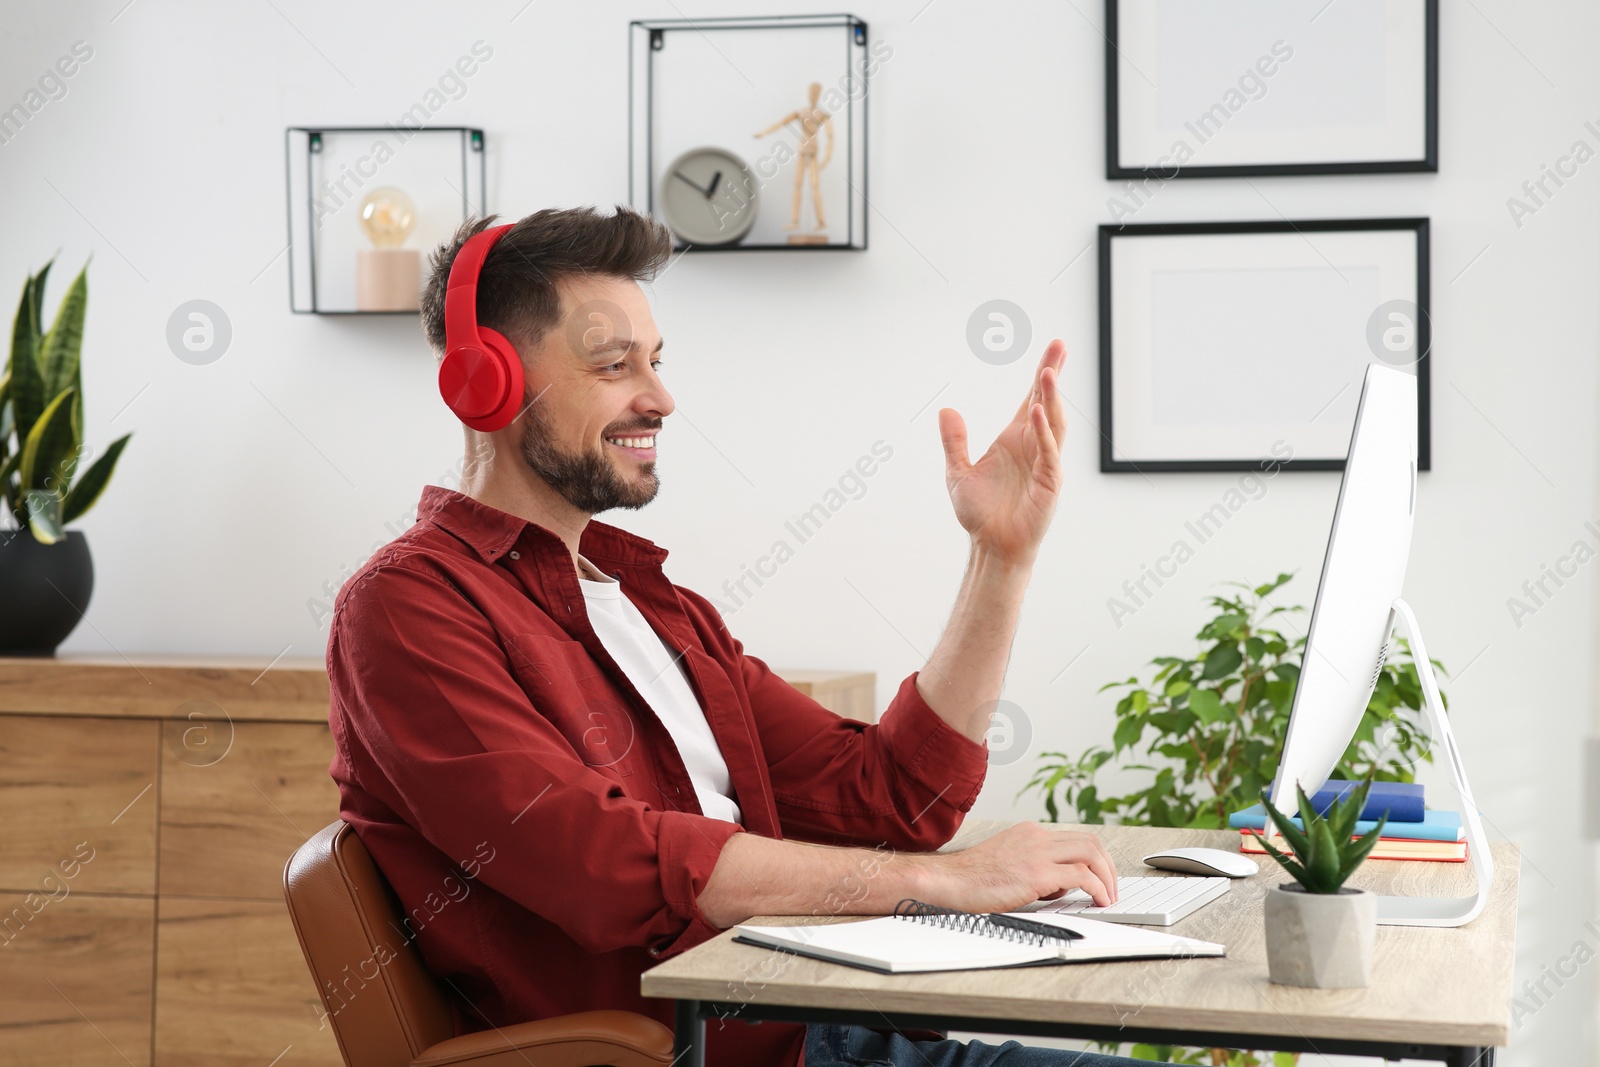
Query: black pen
pixel 1029 926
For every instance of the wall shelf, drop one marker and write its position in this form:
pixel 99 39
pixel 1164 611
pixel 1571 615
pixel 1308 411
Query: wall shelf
pixel 713 84
pixel 329 170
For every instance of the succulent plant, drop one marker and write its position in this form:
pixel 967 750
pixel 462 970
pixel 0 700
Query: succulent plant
pixel 41 416
pixel 1326 850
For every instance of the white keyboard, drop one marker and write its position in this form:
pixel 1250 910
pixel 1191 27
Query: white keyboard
pixel 1145 901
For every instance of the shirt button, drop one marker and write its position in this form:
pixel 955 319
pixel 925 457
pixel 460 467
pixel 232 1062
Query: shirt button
pixel 515 554
pixel 656 952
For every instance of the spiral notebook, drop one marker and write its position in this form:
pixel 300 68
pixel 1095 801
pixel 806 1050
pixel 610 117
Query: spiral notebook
pixel 920 938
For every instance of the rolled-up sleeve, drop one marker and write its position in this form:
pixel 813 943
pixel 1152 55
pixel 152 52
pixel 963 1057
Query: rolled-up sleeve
pixel 906 781
pixel 432 723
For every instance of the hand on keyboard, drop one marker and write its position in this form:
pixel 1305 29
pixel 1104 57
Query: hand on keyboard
pixel 1148 901
pixel 1022 863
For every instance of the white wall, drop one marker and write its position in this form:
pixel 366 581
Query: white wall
pixel 253 481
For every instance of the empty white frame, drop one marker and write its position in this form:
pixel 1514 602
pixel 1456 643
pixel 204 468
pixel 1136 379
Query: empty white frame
pixel 1219 88
pixel 1230 346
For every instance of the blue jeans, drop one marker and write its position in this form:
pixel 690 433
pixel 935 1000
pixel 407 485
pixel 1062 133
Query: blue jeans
pixel 830 1045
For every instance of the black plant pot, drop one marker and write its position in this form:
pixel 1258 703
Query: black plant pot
pixel 44 591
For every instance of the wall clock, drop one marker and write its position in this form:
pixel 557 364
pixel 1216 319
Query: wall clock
pixel 709 197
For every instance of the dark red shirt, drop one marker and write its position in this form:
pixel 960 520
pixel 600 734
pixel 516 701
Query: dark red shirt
pixel 532 813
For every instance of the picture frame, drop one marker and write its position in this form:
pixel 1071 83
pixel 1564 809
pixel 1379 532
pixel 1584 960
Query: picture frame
pixel 1249 93
pixel 1239 346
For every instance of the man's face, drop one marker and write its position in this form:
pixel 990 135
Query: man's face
pixel 594 400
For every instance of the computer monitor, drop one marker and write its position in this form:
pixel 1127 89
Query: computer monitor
pixel 1362 575
pixel 1357 607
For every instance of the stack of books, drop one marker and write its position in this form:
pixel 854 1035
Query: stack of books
pixel 1412 832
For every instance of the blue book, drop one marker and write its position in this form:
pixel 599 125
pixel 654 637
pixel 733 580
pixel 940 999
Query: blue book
pixel 1401 800
pixel 1434 825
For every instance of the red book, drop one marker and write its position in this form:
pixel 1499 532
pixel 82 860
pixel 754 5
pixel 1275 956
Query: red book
pixel 1387 848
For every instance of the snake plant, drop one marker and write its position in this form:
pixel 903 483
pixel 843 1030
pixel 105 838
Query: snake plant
pixel 41 416
pixel 1326 850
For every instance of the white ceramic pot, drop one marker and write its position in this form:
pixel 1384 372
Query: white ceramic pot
pixel 1320 940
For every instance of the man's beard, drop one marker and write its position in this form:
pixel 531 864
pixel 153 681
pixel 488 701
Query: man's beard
pixel 586 480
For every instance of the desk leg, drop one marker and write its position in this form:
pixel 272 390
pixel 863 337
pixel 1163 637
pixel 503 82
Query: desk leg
pixel 1472 1057
pixel 689 1035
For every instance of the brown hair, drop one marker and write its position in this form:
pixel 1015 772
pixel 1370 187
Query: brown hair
pixel 518 288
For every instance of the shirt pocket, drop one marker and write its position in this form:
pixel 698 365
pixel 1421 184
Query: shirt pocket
pixel 569 689
pixel 550 664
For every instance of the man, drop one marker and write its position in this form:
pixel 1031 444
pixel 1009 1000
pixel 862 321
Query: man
pixel 566 766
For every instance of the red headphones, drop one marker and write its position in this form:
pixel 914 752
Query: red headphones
pixel 481 376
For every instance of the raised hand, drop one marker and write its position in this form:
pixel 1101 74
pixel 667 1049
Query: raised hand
pixel 1006 499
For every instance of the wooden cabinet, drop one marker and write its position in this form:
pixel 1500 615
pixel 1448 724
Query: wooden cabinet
pixel 147 809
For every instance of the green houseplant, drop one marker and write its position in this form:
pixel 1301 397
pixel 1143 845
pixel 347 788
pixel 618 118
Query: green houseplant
pixel 1319 932
pixel 46 578
pixel 1203 734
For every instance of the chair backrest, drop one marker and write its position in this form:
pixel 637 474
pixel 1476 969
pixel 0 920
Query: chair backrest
pixel 384 1007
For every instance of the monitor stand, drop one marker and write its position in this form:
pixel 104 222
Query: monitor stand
pixel 1440 911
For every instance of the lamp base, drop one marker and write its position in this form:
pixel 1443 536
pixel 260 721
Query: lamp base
pixel 388 279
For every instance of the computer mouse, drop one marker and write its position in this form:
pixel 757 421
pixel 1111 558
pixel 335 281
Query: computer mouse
pixel 1203 861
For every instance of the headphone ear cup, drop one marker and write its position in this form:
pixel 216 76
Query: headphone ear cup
pixel 480 376
pixel 502 348
pixel 483 382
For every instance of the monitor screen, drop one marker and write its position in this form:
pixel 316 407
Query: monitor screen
pixel 1362 575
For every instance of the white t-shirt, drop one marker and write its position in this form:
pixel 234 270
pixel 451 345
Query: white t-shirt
pixel 650 666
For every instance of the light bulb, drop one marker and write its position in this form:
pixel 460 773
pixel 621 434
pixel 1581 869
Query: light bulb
pixel 387 215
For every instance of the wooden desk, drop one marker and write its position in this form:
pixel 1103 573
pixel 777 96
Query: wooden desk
pixel 1436 994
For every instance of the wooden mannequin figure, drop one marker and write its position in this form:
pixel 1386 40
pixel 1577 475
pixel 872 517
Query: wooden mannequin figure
pixel 812 120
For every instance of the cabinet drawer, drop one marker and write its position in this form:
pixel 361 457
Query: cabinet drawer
pixel 233 809
pixel 75 980
pixel 78 787
pixel 233 989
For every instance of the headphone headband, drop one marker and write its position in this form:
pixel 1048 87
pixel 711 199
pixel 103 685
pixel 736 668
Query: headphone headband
pixel 461 293
pixel 481 375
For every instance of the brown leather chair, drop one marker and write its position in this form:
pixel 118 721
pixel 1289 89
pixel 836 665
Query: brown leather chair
pixel 393 1014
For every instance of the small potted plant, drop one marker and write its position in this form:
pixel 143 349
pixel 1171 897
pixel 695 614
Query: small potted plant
pixel 46 574
pixel 1319 932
